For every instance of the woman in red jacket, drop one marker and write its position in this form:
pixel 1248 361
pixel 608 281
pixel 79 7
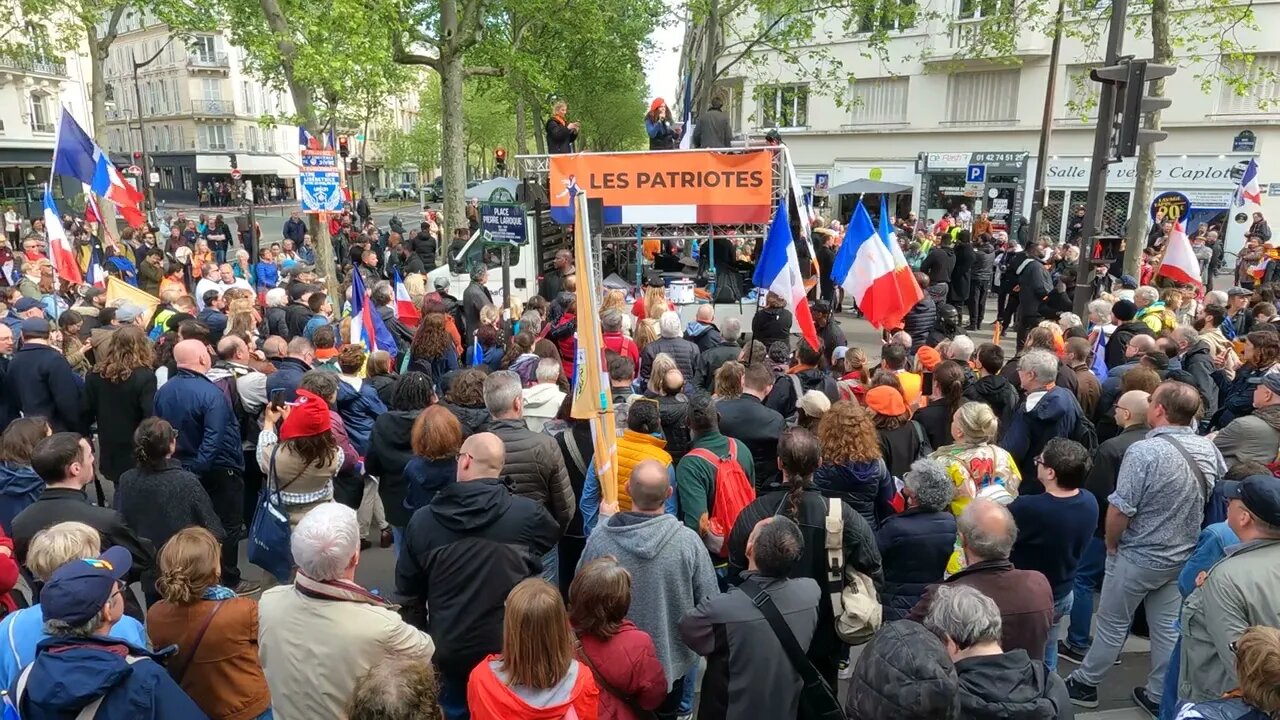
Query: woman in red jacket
pixel 536 677
pixel 8 575
pixel 620 656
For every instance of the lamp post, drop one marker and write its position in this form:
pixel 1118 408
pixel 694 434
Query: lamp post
pixel 142 136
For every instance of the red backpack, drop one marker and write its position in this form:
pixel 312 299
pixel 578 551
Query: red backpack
pixel 733 492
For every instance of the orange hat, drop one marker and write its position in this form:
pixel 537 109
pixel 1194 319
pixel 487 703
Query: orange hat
pixel 886 400
pixel 929 358
pixel 657 103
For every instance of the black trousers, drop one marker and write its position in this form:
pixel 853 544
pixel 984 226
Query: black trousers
pixel 978 290
pixel 1026 323
pixel 226 489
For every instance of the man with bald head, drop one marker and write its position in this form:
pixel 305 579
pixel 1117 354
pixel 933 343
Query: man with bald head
pixel 987 533
pixel 462 554
pixel 1131 417
pixel 209 446
pixel 670 570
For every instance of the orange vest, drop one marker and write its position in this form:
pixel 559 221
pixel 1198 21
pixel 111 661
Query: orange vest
pixel 633 449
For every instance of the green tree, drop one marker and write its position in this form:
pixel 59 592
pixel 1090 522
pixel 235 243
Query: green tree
pixel 419 147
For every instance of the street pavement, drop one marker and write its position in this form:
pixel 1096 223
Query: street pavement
pixel 377 566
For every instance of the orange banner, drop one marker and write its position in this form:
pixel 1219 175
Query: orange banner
pixel 681 187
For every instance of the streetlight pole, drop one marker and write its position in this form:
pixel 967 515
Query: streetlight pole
pixel 142 136
pixel 1038 196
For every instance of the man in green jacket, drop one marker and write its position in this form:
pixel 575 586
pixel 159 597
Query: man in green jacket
pixel 1243 589
pixel 696 478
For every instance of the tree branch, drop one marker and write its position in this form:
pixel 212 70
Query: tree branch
pixel 113 28
pixel 482 70
pixel 404 57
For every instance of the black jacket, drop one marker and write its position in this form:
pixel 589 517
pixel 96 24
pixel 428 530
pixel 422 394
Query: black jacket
pixel 40 382
pixel 274 319
pixel 1035 285
pixel 832 337
pixel 961 273
pixel 1197 361
pixel 709 361
pixel 938 264
pixel 475 297
pixel 57 504
pixel 997 392
pixel 384 385
pixel 682 351
pixel 1119 340
pixel 920 320
pixel 783 398
pixel 935 418
pixel 159 504
pixel 673 412
pixel 984 260
pixel 713 129
pixel 772 325
pixel 747 419
pixel 865 486
pixel 904 672
pixel 390 449
pixel 914 546
pixel 296 317
pixel 560 137
pixel 1011 686
pixel 535 468
pixel 287 377
pixel 424 246
pixel 462 555
pixel 902 446
pixel 1106 469
pixel 860 553
pixel 117 408
pixel 473 419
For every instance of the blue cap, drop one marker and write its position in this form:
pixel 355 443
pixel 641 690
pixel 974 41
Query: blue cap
pixel 25 304
pixel 78 590
pixel 1129 281
pixel 1260 495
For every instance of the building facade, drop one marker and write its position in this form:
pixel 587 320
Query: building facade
pixel 194 110
pixel 960 130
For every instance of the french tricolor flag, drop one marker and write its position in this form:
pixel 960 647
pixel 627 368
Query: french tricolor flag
pixel 406 310
pixel 64 257
pixel 778 271
pixel 866 267
pixel 367 328
pixel 1180 263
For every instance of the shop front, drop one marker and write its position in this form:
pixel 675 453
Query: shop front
pixel 1208 181
pixel 899 172
pixel 990 182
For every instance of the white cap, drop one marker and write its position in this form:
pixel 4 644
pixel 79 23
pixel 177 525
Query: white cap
pixel 839 352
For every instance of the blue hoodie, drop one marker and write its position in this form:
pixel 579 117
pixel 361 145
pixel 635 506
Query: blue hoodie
pixel 22 630
pixel 359 409
pixel 1039 417
pixel 68 674
pixel 705 336
pixel 19 487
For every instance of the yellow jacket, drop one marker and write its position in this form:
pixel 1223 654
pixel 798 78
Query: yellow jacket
pixel 633 449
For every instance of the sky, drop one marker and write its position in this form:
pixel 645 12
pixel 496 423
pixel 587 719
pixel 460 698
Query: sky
pixel 662 68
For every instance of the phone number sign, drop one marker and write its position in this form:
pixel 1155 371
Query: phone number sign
pixel 319 181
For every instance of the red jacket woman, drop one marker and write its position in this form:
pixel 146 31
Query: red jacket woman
pixel 8 574
pixel 564 335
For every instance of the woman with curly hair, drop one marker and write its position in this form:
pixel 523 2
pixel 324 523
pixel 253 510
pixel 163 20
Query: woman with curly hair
pixel 801 502
pixel 464 397
pixel 391 446
pixel 521 359
pixel 432 306
pixel 118 394
pixel 432 352
pixel 728 384
pixel 617 300
pixel 853 468
pixel 652 303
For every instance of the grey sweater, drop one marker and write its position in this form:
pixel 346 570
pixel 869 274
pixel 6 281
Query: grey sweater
pixel 671 573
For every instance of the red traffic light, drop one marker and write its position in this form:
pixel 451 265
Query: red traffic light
pixel 500 153
pixel 137 156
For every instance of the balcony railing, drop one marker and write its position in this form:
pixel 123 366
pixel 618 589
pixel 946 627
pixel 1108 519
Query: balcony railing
pixel 206 146
pixel 39 66
pixel 214 61
pixel 212 107
pixel 46 128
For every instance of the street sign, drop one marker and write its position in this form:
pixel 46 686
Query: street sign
pixel 504 222
pixel 321 184
pixel 976 174
pixel 133 170
pixel 235 173
pixel 821 182
pixel 154 178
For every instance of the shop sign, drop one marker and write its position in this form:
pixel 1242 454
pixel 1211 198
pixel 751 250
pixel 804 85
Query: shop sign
pixel 1205 172
pixel 1170 205
pixel 996 162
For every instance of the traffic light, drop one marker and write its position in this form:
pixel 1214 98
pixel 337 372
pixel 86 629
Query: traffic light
pixel 137 157
pixel 1128 80
pixel 355 166
pixel 500 161
pixel 234 164
pixel 343 149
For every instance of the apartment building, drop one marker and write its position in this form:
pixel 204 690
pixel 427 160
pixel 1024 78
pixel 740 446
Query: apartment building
pixel 930 112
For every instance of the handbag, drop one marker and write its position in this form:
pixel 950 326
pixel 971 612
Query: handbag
pixel 270 532
pixel 817 700
pixel 854 602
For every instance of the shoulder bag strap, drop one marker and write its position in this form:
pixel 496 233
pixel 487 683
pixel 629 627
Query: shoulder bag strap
pixel 705 455
pixel 1195 466
pixel 764 603
pixel 835 553
pixel 190 655
pixel 608 687
pixel 575 454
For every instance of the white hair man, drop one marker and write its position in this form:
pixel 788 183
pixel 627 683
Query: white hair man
pixel 346 629
pixel 987 534
pixel 1048 411
pixel 682 351
pixel 968 623
pixel 542 401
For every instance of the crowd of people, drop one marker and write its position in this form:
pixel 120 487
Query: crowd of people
pixel 924 519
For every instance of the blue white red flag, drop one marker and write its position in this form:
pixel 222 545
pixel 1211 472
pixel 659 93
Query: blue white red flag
pixel 864 268
pixel 1250 192
pixel 904 278
pixel 76 155
pixel 1180 263
pixel 307 140
pixel 64 257
pixel 97 275
pixel 367 328
pixel 778 271
pixel 477 352
pixel 406 311
pixel 686 129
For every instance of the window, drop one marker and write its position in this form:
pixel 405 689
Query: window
pixel 251 138
pixel 269 140
pixel 887 16
pixel 1082 93
pixel 978 9
pixel 41 117
pixel 989 96
pixel 878 100
pixel 784 106
pixel 188 178
pixel 248 97
pixel 211 88
pixel 166 138
pixel 731 92
pixel 164 95
pixel 204 47
pixel 1262 93
pixel 213 137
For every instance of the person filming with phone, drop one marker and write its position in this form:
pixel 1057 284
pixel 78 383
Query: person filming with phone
pixel 297 450
pixel 561 134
